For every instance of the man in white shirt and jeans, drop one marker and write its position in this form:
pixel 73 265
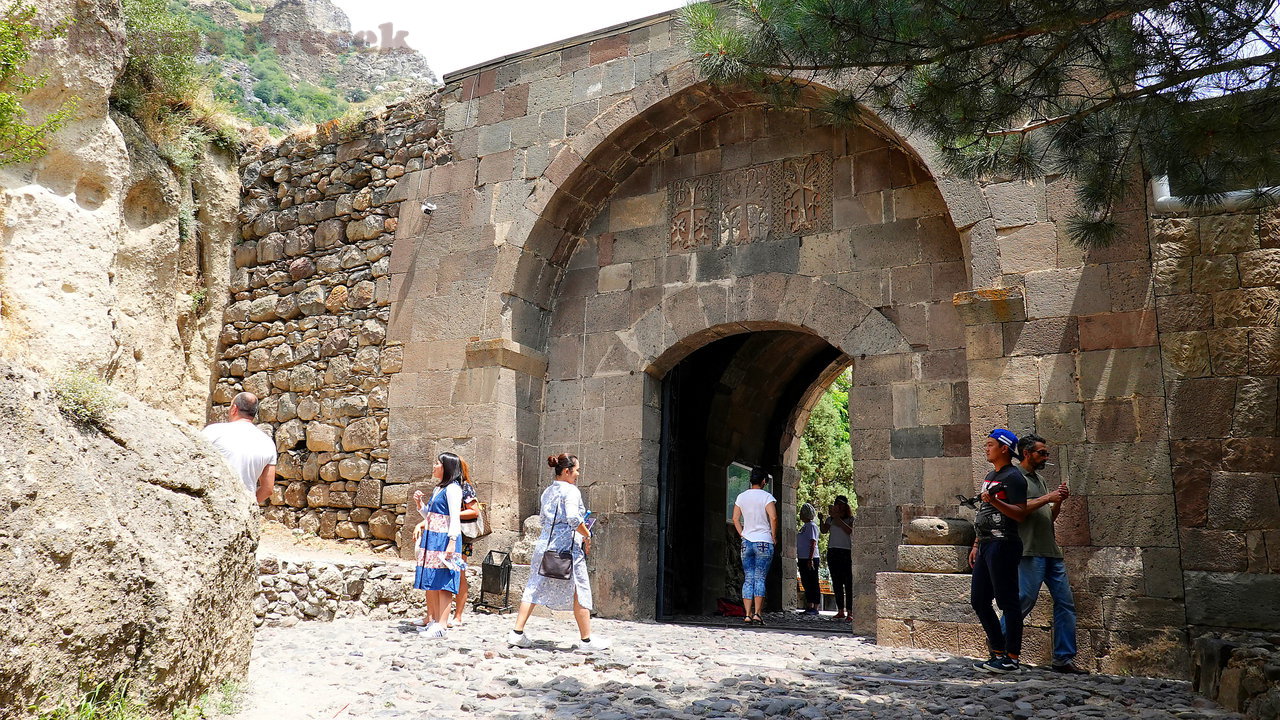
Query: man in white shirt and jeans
pixel 249 451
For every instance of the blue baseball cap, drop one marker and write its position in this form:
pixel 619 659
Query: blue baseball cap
pixel 1008 439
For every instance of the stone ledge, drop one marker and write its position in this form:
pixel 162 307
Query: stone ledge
pixel 990 305
pixel 501 352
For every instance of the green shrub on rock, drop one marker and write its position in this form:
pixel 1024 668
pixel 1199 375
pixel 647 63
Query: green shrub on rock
pixel 84 397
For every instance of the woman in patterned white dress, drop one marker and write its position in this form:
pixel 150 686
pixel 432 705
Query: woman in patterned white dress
pixel 438 539
pixel 563 527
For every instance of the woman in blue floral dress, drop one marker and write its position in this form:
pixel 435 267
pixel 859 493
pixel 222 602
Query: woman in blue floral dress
pixel 564 527
pixel 439 541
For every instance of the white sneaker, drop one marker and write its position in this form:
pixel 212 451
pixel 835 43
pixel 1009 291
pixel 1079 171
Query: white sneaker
pixel 515 639
pixel 434 630
pixel 597 643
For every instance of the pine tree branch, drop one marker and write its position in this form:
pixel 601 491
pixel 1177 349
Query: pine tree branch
pixel 1173 81
pixel 988 41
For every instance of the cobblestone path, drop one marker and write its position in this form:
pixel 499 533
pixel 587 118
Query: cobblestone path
pixel 362 669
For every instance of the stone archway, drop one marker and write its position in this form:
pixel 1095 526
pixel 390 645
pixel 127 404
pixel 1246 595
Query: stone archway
pixel 755 219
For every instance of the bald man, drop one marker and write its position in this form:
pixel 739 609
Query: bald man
pixel 249 451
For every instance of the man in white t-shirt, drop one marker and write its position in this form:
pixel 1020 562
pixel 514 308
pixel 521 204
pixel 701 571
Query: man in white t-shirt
pixel 249 451
pixel 755 515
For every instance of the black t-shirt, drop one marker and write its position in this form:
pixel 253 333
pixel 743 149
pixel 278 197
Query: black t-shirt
pixel 992 523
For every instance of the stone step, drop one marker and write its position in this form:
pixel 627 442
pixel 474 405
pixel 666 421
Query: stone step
pixel 933 558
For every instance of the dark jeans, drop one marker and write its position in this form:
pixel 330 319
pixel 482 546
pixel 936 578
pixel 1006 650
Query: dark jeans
pixel 840 563
pixel 809 578
pixel 995 577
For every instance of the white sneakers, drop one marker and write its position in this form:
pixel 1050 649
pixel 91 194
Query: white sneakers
pixel 522 640
pixel 597 643
pixel 433 630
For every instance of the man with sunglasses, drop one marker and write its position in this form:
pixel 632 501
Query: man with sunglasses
pixel 1042 558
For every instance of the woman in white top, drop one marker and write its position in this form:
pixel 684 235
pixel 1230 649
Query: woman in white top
pixel 807 559
pixel 839 523
pixel 755 515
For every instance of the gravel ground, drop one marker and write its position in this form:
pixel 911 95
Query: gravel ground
pixel 380 669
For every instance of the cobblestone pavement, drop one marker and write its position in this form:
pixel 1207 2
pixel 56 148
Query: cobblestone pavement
pixel 379 669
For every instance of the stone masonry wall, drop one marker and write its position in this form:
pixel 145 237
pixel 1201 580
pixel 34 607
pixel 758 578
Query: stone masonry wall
pixel 307 331
pixel 1217 286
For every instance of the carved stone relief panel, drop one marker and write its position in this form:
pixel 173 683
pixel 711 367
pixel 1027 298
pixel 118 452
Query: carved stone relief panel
pixel 803 195
pixel 753 204
pixel 693 212
pixel 746 205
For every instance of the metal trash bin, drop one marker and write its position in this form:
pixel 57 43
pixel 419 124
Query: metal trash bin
pixel 495 580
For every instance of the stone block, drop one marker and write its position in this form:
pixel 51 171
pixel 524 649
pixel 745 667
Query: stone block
pixel 368 493
pixel 1236 600
pixel 1041 337
pixel 1172 276
pixel 925 531
pixel 985 341
pixel 1229 352
pixel 1221 234
pixel 916 442
pixel 947 477
pixel 1059 379
pixel 991 305
pixel 1118 330
pixel 1131 285
pixel 1214 273
pixel 1117 468
pixel 870 407
pixel 1132 520
pixel 1181 313
pixel 892 632
pixel 1002 381
pixel 1264 351
pixel 1060 423
pixel 1175 238
pixel 639 211
pixel 1067 291
pixel 1120 373
pixel 1247 307
pixel 1201 407
pixel 1111 421
pixel 1185 355
pixel 1162 571
pixel 1257 412
pixel 322 437
pixel 1260 268
pixel 1072 526
pixel 1244 501
pixel 1213 550
pixel 1017 203
pixel 1028 248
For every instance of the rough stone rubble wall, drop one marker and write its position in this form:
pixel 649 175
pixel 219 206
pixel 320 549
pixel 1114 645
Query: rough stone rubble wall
pixel 307 331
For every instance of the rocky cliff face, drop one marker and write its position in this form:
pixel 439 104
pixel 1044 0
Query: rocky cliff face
pixel 98 268
pixel 295 62
pixel 124 552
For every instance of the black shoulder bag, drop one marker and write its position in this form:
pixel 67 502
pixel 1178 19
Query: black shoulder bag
pixel 556 564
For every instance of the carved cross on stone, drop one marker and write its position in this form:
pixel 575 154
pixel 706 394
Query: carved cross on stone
pixel 745 214
pixel 804 193
pixel 693 212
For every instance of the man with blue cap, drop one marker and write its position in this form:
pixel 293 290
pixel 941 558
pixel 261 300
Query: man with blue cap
pixel 997 551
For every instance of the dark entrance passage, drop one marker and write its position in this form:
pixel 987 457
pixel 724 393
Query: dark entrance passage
pixel 733 404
